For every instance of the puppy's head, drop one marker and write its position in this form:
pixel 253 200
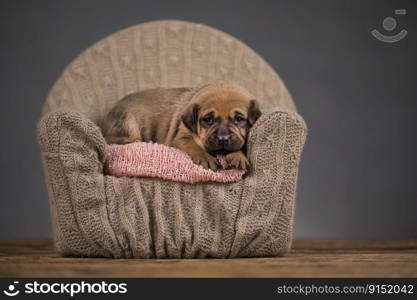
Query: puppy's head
pixel 220 119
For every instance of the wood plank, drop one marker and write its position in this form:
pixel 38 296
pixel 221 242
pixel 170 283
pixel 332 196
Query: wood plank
pixel 344 244
pixel 309 258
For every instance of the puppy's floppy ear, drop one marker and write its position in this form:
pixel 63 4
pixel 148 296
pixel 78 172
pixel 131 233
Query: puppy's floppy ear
pixel 190 117
pixel 253 111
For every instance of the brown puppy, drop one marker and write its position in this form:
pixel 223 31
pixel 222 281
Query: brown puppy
pixel 211 120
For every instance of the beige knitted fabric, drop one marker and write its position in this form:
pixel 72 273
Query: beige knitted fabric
pixel 162 54
pixel 97 215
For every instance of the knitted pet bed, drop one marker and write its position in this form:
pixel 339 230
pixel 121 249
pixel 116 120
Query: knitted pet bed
pixel 155 160
pixel 98 215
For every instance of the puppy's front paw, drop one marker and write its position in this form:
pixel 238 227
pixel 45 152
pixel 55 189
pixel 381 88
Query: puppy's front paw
pixel 237 160
pixel 206 160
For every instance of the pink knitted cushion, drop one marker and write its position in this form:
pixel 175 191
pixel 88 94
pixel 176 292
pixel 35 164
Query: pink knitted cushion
pixel 156 160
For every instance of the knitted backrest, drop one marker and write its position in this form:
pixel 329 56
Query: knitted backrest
pixel 162 54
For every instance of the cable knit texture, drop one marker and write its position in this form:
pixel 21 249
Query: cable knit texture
pixel 106 216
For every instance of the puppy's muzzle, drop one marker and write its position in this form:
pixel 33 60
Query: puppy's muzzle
pixel 223 137
pixel 223 140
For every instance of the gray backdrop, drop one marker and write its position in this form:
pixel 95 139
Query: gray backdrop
pixel 358 96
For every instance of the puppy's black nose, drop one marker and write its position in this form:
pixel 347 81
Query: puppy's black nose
pixel 223 139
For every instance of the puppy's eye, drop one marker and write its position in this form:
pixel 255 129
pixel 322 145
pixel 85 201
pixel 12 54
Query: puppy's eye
pixel 208 120
pixel 239 119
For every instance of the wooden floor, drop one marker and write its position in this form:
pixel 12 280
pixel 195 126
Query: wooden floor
pixel 309 258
